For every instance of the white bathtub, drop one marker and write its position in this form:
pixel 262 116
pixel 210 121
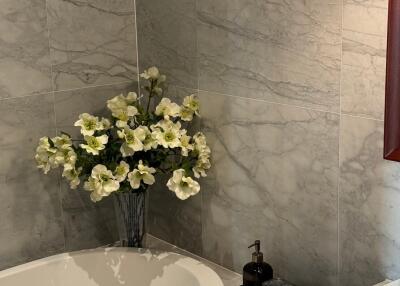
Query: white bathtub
pixel 112 267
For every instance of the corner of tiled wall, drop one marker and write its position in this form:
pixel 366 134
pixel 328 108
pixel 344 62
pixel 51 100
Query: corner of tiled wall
pixel 167 39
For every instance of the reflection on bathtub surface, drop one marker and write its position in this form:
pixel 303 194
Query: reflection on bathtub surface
pixel 112 267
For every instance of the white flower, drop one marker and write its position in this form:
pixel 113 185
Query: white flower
pixel 186 114
pixel 89 124
pixel 168 133
pixel 142 173
pixel 62 142
pixel 185 145
pixel 192 103
pixel 133 140
pixel 65 156
pixel 45 155
pixel 72 175
pixel 131 97
pixel 105 123
pixel 203 162
pixel 167 108
pixel 101 183
pixel 158 90
pixel 201 144
pixel 151 73
pixel 121 108
pixel 94 144
pixel 154 75
pixel 182 186
pixel 121 171
pixel 149 142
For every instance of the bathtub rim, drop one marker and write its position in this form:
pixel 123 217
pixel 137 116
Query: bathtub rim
pixel 197 267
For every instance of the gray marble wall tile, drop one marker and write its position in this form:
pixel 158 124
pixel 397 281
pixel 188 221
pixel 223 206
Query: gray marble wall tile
pixel 24 48
pixel 92 42
pixel 167 39
pixel 280 51
pixel 173 220
pixel 69 104
pixel 31 222
pixel 178 222
pixel 363 74
pixel 366 16
pixel 274 178
pixel 364 58
pixel 87 224
pixel 369 206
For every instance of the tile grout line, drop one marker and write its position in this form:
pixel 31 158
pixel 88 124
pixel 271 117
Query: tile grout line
pixel 55 121
pixel 133 3
pixel 271 102
pixel 197 59
pixel 338 206
pixel 278 103
pixel 64 90
pixel 93 86
pixel 49 45
pixel 259 100
pixel 344 114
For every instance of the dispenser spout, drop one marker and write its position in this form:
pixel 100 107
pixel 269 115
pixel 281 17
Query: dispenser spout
pixel 257 256
pixel 256 245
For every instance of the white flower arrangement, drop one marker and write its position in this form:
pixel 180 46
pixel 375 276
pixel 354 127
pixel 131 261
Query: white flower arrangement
pixel 126 152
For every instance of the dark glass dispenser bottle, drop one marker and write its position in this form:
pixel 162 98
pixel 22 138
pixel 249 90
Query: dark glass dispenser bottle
pixel 257 271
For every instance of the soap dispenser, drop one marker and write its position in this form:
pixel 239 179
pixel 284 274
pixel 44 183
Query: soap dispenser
pixel 257 271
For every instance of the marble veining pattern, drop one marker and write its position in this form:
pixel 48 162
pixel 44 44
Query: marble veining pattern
pixel 290 56
pixel 366 16
pixel 363 74
pixel 369 206
pixel 24 48
pixel 274 178
pixel 92 42
pixel 70 104
pixel 364 57
pixel 31 222
pixel 167 38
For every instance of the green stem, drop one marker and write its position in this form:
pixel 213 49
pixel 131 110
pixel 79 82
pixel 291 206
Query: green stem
pixel 150 96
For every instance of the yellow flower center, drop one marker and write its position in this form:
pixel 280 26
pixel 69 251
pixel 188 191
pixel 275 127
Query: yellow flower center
pixel 93 143
pixel 130 138
pixel 104 178
pixel 90 125
pixel 194 104
pixel 169 136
